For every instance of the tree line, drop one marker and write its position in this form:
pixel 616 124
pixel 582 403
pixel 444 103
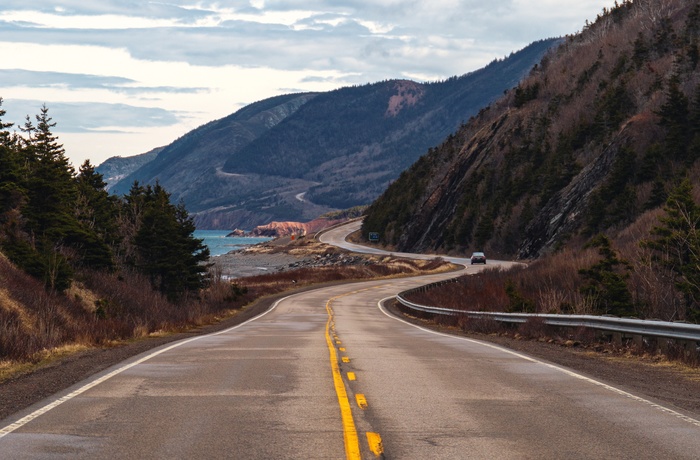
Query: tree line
pixel 56 221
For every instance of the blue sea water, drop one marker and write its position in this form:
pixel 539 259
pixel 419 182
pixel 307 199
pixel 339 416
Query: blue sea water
pixel 219 244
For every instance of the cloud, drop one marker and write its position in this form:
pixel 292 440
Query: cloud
pixel 378 38
pixel 128 8
pixel 69 81
pixel 171 65
pixel 84 117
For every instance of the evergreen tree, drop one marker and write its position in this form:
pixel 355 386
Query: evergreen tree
pixel 96 211
pixel 11 190
pixel 606 281
pixel 694 118
pixel 166 249
pixel 677 244
pixel 51 189
pixel 674 115
pixel 6 139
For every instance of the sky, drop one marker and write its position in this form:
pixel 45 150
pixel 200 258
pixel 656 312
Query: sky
pixel 121 77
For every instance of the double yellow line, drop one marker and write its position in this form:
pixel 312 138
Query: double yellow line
pixel 352 441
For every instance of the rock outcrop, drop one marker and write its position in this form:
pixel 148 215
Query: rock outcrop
pixel 277 229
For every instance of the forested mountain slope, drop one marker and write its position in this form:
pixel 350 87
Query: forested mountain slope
pixel 295 157
pixel 598 134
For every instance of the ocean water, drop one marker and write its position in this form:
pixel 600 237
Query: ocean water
pixel 219 244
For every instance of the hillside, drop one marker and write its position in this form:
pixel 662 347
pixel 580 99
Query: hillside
pixel 594 139
pixel 117 168
pixel 294 157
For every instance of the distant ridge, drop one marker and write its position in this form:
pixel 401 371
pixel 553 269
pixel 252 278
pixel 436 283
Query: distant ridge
pixel 297 156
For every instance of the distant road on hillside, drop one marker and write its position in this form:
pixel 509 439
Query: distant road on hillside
pixel 336 237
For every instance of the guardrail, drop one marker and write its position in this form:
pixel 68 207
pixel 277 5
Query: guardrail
pixel 685 333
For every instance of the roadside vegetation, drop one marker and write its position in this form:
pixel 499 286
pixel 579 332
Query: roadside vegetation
pixel 105 308
pixel 653 272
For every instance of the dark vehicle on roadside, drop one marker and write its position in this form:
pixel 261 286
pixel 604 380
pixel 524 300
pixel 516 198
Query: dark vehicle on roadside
pixel 478 258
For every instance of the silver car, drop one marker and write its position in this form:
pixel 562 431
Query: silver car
pixel 478 258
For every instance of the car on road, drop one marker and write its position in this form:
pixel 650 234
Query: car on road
pixel 478 258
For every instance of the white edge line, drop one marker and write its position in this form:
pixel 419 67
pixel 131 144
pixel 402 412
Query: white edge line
pixel 41 411
pixel 551 366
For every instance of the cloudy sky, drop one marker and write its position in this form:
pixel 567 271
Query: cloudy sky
pixel 121 77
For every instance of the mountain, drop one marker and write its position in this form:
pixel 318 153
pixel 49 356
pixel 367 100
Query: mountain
pixel 297 156
pixel 594 139
pixel 117 168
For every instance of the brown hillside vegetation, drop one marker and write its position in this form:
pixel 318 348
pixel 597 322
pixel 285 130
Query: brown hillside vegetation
pixel 105 309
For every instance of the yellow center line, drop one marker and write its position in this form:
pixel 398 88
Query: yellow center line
pixel 352 442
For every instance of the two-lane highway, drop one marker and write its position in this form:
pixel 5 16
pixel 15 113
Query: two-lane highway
pixel 327 374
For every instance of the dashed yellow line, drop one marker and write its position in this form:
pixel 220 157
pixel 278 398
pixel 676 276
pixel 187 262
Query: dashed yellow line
pixel 361 401
pixel 375 443
pixel 350 437
pixel 352 442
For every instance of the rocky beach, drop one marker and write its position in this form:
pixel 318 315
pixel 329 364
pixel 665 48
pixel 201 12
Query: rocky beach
pixel 280 254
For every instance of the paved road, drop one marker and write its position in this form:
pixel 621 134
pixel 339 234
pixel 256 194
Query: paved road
pixel 327 374
pixel 336 237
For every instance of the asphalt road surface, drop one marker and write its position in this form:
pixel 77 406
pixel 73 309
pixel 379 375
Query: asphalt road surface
pixel 328 374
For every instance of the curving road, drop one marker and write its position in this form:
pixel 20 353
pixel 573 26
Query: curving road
pixel 328 374
pixel 336 237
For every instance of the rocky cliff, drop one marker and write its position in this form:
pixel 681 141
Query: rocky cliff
pixel 276 229
pixel 596 135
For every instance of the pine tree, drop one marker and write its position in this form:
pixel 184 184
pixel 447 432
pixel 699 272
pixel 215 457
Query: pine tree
pixel 677 244
pixel 11 191
pixel 6 139
pixel 674 115
pixel 166 249
pixel 96 211
pixel 606 281
pixel 45 233
pixel 51 189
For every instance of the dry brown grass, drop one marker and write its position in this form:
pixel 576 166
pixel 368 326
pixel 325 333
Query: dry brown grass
pixel 105 309
pixel 551 283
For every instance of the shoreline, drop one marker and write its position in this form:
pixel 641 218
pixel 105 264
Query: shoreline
pixel 240 263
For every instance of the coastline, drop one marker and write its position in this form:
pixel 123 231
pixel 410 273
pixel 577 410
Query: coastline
pixel 242 263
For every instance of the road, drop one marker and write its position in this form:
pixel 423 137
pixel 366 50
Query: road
pixel 336 237
pixel 328 374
